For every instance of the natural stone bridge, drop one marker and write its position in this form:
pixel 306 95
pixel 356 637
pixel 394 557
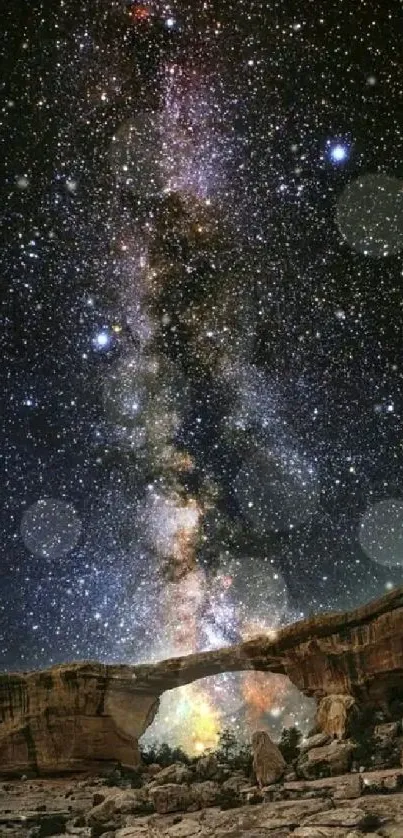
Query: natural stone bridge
pixel 75 715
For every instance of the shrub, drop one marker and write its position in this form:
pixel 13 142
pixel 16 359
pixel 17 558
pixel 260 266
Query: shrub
pixel 124 778
pixel 228 799
pixel 164 755
pixel 362 733
pixel 289 743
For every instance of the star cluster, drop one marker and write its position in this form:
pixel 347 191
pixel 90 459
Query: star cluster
pixel 202 214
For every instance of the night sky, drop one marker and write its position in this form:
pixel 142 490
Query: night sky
pixel 201 322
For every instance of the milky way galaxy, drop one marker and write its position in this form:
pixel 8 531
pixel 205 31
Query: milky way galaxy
pixel 202 383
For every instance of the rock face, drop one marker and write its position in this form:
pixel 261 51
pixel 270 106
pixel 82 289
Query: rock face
pixel 76 715
pixel 71 717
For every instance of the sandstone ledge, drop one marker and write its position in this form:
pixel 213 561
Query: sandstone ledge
pixel 51 806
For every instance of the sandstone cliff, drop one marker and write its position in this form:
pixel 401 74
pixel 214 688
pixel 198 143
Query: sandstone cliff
pixel 76 715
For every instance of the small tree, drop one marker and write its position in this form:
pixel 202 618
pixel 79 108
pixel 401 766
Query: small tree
pixel 235 755
pixel 289 743
pixel 163 755
pixel 362 733
pixel 227 745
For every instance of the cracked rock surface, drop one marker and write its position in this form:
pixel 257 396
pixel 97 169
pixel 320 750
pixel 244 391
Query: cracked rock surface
pixel 351 805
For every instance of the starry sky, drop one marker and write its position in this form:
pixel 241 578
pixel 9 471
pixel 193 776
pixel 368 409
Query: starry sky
pixel 201 303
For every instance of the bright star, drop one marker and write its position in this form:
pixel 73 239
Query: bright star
pixel 102 340
pixel 338 153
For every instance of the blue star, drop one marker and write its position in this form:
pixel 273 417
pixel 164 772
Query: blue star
pixel 102 340
pixel 338 153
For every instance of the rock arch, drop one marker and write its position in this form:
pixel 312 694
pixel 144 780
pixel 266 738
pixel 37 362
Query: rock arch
pixel 75 716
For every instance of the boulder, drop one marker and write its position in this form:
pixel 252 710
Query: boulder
pixel 102 813
pixel 171 797
pixel 205 794
pixel 348 787
pixel 335 713
pixel 269 764
pixel 115 806
pixel 175 773
pixel 233 784
pixel 315 741
pixel 207 767
pixel 388 732
pixel 329 760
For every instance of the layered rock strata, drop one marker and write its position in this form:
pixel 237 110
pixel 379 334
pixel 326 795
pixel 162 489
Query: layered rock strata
pixel 77 715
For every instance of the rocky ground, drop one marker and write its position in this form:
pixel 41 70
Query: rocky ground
pixel 325 793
